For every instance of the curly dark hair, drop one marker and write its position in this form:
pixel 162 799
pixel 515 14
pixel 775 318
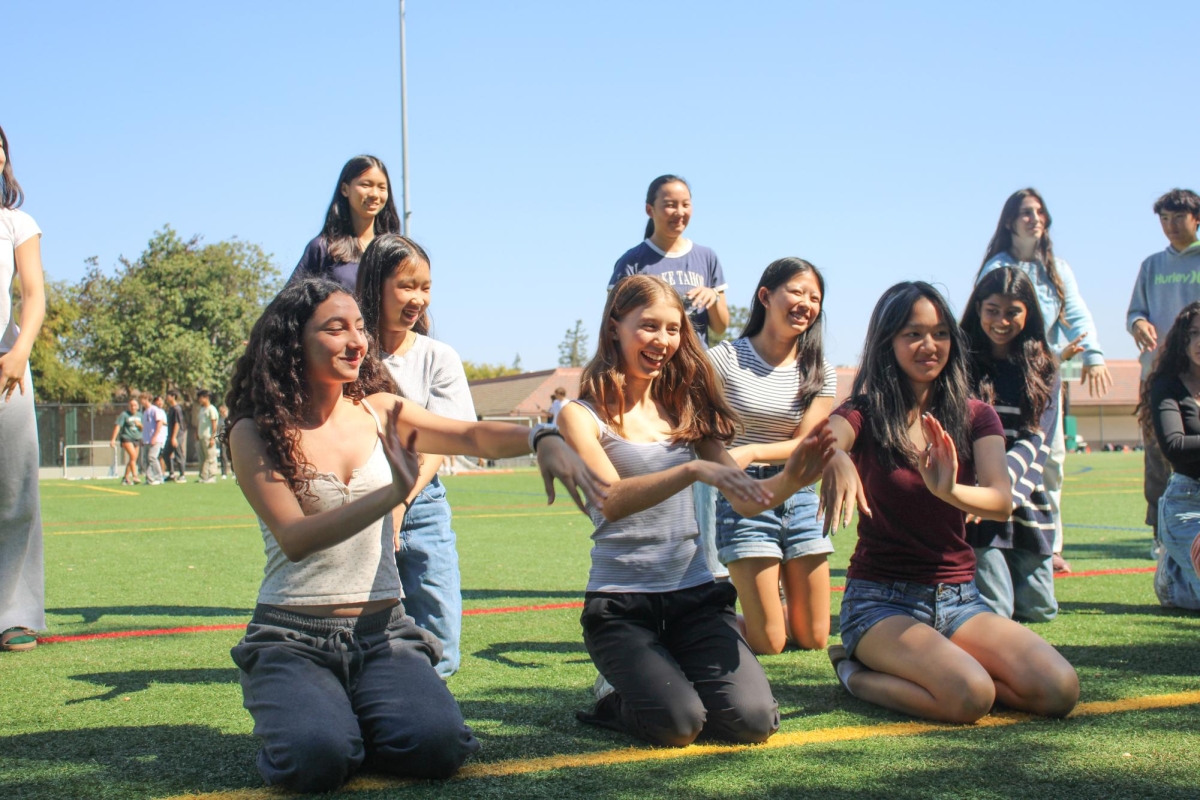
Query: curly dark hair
pixel 269 384
pixel 1170 359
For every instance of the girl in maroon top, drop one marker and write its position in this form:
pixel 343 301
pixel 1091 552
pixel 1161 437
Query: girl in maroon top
pixel 916 637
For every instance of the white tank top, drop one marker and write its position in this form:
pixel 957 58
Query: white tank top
pixel 360 569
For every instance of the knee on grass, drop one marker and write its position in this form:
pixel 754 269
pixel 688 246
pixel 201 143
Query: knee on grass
pixel 676 725
pixel 318 762
pixel 1056 694
pixel 967 698
pixel 437 750
pixel 749 723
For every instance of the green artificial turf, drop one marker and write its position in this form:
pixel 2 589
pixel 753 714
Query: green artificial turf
pixel 160 716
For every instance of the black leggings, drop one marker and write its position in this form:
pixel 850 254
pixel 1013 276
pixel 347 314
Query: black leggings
pixel 678 665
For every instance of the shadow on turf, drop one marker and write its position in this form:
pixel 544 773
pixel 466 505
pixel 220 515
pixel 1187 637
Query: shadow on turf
pixel 1136 609
pixel 124 683
pixel 499 651
pixel 94 613
pixel 1128 550
pixel 127 761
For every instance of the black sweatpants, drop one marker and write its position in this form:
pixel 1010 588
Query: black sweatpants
pixel 678 665
pixel 328 693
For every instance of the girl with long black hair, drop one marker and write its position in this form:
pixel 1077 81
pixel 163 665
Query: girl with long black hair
pixel 778 381
pixel 361 209
pixel 394 290
pixel 1013 370
pixel 332 669
pixel 915 453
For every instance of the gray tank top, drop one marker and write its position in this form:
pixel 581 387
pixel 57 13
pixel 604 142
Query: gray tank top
pixel 358 570
pixel 656 550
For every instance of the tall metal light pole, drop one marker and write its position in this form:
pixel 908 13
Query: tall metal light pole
pixel 405 222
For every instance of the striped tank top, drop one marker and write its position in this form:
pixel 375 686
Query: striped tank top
pixel 656 550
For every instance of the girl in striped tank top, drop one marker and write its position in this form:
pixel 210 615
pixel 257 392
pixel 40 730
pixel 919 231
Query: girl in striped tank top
pixel 778 382
pixel 652 421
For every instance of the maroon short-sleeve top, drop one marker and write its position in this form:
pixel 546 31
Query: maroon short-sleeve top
pixel 911 535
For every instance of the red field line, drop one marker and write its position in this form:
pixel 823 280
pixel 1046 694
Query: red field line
pixel 470 612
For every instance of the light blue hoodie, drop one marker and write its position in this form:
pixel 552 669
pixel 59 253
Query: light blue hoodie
pixel 1076 318
pixel 1167 282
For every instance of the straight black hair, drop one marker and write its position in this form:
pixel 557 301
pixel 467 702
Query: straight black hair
pixel 810 346
pixel 1029 351
pixel 882 391
pixel 11 195
pixel 383 257
pixel 652 195
pixel 338 231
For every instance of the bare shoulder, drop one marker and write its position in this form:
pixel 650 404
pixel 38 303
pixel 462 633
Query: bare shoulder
pixel 573 419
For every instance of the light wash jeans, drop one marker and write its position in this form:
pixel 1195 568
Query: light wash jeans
pixel 428 564
pixel 705 498
pixel 1016 584
pixel 1175 580
pixel 151 469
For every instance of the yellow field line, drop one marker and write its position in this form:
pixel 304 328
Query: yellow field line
pixel 150 530
pixel 112 491
pixel 629 755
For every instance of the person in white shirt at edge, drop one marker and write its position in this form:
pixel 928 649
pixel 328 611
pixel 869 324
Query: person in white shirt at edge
pixel 332 669
pixel 777 380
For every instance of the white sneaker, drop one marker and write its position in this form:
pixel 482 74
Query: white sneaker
pixel 602 688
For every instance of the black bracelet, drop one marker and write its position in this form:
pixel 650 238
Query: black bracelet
pixel 542 434
pixel 407 505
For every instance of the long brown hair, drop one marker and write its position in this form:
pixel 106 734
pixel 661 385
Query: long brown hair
pixel 688 388
pixel 1002 243
pixel 1170 360
pixel 11 195
pixel 269 384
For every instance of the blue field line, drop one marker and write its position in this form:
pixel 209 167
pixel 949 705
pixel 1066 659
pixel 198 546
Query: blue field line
pixel 1081 471
pixel 1106 527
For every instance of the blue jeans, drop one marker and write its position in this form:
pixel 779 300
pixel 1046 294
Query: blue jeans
pixel 1016 584
pixel 944 606
pixel 790 530
pixel 705 498
pixel 428 564
pixel 1175 580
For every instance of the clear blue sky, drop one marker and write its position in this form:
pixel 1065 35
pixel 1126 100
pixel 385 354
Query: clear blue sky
pixel 877 140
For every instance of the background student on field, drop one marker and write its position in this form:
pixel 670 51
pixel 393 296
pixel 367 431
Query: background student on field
pixel 362 208
pixel 696 274
pixel 1166 282
pixel 176 437
pixel 154 433
pixel 1022 240
pixel 207 421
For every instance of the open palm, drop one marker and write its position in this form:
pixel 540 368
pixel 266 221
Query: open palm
pixel 938 464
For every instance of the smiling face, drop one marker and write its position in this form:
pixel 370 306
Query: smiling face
pixel 1179 227
pixel 794 306
pixel 367 193
pixel 1030 223
pixel 671 209
pixel 334 341
pixel 133 405
pixel 922 347
pixel 1003 319
pixel 405 296
pixel 647 337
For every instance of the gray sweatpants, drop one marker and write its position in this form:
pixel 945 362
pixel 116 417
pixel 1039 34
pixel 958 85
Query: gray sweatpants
pixel 328 693
pixel 22 581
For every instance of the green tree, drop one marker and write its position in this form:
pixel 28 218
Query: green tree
pixel 738 317
pixel 573 350
pixel 177 316
pixel 481 371
pixel 59 374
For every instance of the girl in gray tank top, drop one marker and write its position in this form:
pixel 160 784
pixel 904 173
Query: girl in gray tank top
pixel 332 669
pixel 652 421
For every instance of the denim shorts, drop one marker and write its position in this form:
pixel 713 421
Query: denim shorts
pixel 787 531
pixel 944 606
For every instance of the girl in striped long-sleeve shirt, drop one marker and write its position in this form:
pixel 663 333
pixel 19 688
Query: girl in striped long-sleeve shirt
pixel 1013 369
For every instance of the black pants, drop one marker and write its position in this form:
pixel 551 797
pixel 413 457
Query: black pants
pixel 173 456
pixel 328 693
pixel 678 665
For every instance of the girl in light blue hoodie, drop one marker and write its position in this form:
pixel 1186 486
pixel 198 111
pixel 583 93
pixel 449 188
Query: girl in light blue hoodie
pixel 1022 240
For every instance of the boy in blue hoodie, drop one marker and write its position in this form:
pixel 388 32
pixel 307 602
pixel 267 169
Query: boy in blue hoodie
pixel 1167 282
